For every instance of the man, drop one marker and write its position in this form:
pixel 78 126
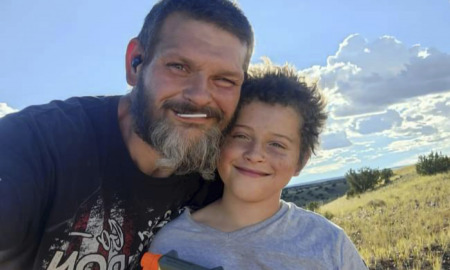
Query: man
pixel 84 182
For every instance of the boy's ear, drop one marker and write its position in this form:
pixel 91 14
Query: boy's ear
pixel 302 163
pixel 134 50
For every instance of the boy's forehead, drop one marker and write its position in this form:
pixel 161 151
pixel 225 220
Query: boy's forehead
pixel 285 117
pixel 271 106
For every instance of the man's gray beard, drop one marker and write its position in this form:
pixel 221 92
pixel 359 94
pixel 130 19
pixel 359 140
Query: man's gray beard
pixel 179 153
pixel 187 156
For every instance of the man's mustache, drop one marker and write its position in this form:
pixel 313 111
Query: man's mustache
pixel 189 108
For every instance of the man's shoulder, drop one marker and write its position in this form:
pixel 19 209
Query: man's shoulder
pixel 74 125
pixel 61 113
pixel 56 107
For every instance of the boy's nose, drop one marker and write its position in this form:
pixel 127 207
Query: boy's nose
pixel 254 153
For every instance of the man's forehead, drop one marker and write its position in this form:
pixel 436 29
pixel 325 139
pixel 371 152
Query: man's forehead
pixel 179 19
pixel 184 35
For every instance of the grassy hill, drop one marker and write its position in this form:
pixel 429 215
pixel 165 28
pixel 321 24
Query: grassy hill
pixel 404 225
pixel 322 192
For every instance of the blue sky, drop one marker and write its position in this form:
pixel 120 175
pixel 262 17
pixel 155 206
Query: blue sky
pixel 384 66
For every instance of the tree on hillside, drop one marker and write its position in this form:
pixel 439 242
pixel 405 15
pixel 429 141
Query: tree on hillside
pixel 386 175
pixel 313 206
pixel 432 164
pixel 362 180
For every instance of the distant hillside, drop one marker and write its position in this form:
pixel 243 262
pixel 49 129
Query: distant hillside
pixel 403 225
pixel 318 191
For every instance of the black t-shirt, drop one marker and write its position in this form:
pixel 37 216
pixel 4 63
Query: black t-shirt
pixel 70 195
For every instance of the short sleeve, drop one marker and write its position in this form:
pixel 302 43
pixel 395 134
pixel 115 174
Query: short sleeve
pixel 351 260
pixel 22 189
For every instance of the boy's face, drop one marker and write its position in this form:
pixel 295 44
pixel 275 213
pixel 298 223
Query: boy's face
pixel 261 153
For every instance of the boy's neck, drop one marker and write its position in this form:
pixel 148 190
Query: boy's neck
pixel 228 214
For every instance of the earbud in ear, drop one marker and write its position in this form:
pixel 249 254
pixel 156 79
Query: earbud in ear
pixel 136 61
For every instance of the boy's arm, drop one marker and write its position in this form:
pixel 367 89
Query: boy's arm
pixel 351 260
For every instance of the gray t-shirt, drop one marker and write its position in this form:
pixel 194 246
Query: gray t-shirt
pixel 293 238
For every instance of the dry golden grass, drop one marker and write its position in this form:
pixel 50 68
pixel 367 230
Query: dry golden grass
pixel 404 225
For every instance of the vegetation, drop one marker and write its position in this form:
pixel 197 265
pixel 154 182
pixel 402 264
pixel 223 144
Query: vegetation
pixel 366 179
pixel 362 180
pixel 405 225
pixel 312 206
pixel 386 175
pixel 302 195
pixel 432 164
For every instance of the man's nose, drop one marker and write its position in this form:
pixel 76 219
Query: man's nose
pixel 198 91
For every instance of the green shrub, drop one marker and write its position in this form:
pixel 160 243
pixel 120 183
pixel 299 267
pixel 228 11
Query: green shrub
pixel 432 164
pixel 350 193
pixel 361 181
pixel 328 215
pixel 313 206
pixel 386 175
pixel 376 203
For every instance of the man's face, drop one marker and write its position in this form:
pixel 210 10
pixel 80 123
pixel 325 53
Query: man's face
pixel 192 84
pixel 198 65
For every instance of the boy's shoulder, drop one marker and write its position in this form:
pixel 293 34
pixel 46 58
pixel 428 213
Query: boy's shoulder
pixel 311 221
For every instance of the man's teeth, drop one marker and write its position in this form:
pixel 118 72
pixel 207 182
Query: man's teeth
pixel 199 115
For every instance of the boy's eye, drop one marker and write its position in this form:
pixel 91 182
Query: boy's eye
pixel 277 145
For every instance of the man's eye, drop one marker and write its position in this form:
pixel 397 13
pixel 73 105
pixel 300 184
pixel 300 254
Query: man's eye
pixel 239 136
pixel 176 66
pixel 224 82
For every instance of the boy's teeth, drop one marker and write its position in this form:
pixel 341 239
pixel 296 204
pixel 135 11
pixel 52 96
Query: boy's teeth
pixel 200 115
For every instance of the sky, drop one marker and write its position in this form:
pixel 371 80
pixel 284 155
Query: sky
pixel 383 65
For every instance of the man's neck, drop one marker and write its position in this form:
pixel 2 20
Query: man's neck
pixel 229 214
pixel 142 154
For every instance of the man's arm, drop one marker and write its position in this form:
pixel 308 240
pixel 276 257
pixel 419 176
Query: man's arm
pixel 22 189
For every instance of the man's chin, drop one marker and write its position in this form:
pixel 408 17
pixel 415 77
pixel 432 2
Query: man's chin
pixel 191 132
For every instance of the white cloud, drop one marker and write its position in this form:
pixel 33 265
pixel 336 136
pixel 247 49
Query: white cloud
pixel 423 116
pixel 334 140
pixel 405 162
pixel 323 168
pixel 5 109
pixel 402 145
pixel 377 122
pixel 365 77
pixel 391 138
pixel 331 160
pixel 388 103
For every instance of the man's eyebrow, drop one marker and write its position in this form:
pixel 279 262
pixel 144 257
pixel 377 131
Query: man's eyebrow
pixel 242 126
pixel 234 74
pixel 228 72
pixel 178 57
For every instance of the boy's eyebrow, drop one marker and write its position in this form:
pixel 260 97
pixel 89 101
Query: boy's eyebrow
pixel 275 134
pixel 283 136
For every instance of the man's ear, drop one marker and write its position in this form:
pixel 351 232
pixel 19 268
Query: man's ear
pixel 134 50
pixel 302 163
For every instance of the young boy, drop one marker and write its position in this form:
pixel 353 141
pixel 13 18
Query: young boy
pixel 274 133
